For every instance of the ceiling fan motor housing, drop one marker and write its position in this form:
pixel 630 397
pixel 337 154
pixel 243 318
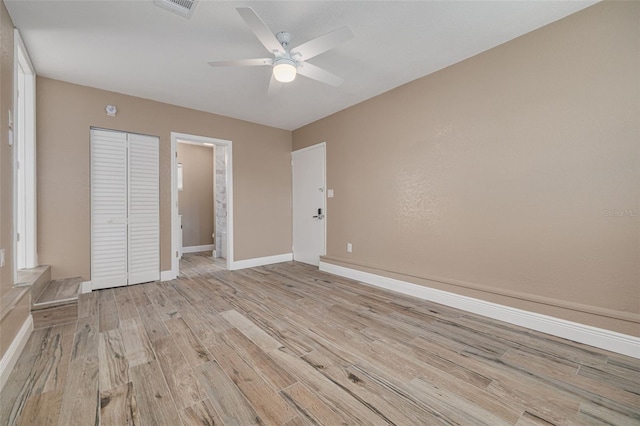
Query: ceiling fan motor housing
pixel 284 38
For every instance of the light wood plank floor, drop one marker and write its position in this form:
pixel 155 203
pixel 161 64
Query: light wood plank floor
pixel 289 345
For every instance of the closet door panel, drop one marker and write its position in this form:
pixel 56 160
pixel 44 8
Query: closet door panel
pixel 144 209
pixel 108 209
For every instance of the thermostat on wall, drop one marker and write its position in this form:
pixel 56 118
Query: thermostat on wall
pixel 111 110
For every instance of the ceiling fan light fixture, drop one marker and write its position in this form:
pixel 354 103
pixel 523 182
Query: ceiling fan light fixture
pixel 284 70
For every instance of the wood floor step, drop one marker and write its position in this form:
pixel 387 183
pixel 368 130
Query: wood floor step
pixel 55 315
pixel 37 278
pixel 59 293
pixel 31 276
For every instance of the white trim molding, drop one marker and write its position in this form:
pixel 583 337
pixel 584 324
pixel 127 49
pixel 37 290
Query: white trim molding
pixel 593 336
pixel 175 226
pixel 86 287
pixel 12 354
pixel 196 249
pixel 23 128
pixel 167 275
pixel 261 261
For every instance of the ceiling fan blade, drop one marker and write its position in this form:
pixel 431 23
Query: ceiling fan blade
pixel 316 73
pixel 323 43
pixel 274 86
pixel 260 29
pixel 242 63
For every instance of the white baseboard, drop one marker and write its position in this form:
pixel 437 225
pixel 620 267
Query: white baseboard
pixel 86 287
pixel 10 357
pixel 260 261
pixel 167 275
pixel 598 337
pixel 196 249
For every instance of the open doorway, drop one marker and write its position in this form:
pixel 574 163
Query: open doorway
pixel 196 195
pixel 219 182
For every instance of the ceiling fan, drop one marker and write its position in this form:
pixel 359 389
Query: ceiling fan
pixel 288 62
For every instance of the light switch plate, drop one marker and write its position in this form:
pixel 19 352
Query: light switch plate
pixel 1 258
pixel 349 247
pixel 329 193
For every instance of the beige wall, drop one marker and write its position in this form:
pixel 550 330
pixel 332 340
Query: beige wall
pixel 195 201
pixel 14 311
pixel 494 178
pixel 261 172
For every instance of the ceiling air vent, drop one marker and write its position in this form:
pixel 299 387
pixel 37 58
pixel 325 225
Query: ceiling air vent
pixel 181 7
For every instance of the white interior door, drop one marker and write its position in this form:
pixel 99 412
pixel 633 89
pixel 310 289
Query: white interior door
pixel 125 215
pixel 309 204
pixel 108 209
pixel 144 210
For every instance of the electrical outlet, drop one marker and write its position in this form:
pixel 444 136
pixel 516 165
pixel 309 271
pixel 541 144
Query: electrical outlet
pixel 349 247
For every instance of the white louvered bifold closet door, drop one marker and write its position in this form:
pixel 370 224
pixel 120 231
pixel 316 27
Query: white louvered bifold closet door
pixel 108 209
pixel 144 209
pixel 125 213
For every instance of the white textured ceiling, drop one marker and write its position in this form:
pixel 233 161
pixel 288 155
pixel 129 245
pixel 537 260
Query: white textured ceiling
pixel 137 48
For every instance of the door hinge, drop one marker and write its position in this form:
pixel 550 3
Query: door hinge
pixel 18 237
pixel 18 165
pixel 176 254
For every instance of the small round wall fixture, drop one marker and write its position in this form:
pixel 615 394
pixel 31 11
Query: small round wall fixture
pixel 111 110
